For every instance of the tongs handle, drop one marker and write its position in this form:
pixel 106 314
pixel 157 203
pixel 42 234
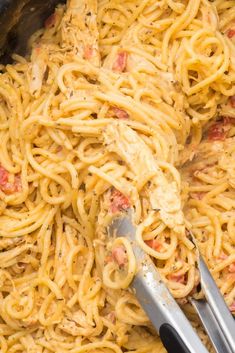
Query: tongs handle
pixel 177 334
pixel 163 311
pixel 171 340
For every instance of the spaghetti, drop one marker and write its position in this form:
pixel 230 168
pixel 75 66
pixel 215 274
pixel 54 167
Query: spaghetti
pixel 118 105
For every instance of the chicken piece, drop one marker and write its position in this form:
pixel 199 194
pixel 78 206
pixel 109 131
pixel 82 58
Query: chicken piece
pixel 164 195
pixel 39 60
pixel 79 30
pixel 30 322
pixel 76 324
pixel 4 277
pixel 8 243
pixel 80 318
pixel 69 327
pixel 126 143
pixel 227 109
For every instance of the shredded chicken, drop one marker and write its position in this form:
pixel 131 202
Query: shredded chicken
pixel 76 324
pixel 8 243
pixel 39 59
pixel 164 195
pixel 79 29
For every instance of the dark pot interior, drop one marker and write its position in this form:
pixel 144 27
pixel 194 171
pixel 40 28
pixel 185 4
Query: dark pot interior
pixel 18 20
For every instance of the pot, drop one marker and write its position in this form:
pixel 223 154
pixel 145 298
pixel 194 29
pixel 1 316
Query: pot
pixel 19 19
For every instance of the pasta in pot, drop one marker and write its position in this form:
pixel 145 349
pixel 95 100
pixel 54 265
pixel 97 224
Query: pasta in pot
pixel 118 105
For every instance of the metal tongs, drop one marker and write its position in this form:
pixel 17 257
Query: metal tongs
pixel 176 332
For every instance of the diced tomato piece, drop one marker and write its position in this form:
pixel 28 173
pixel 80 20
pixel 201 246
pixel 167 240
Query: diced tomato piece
pixel 119 202
pixel 219 130
pixel 216 133
pixel 228 120
pixel 11 188
pixel 119 255
pixel 121 61
pixel 177 278
pixel 112 317
pixel 232 306
pixel 50 21
pixel 154 244
pixel 232 268
pixel 88 52
pixel 230 33
pixel 232 101
pixel 6 186
pixel 17 183
pixel 120 113
pixel 3 176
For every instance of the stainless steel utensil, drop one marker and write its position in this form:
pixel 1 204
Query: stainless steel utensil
pixel 175 330
pixel 213 311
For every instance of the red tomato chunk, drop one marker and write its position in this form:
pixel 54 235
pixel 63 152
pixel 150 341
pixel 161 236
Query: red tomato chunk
pixel 154 244
pixel 50 21
pixel 121 61
pixel 231 33
pixel 6 186
pixel 119 255
pixel 119 202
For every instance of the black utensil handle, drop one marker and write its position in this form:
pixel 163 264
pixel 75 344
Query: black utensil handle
pixel 171 340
